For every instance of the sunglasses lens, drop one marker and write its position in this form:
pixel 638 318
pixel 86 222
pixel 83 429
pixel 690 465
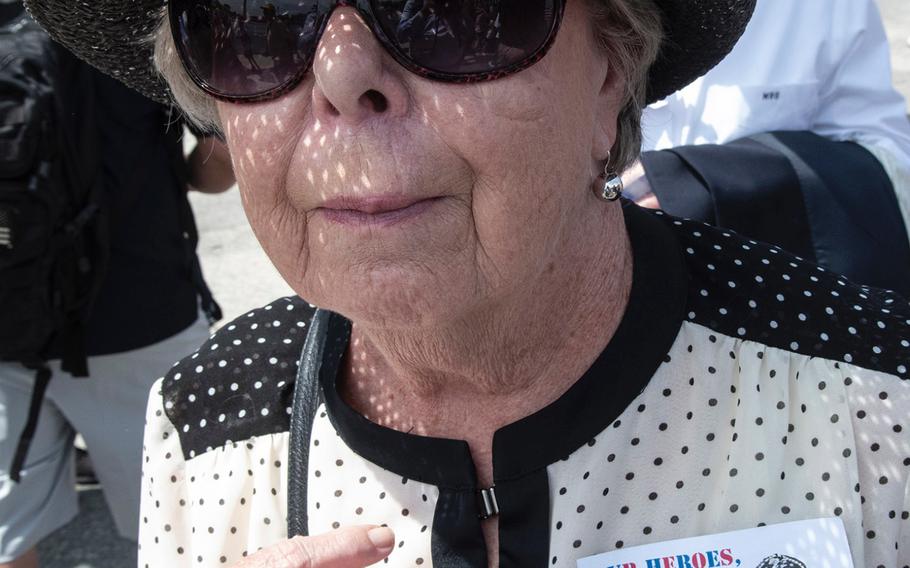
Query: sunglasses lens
pixel 467 37
pixel 245 48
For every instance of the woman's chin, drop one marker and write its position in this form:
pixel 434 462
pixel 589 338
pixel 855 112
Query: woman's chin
pixel 394 296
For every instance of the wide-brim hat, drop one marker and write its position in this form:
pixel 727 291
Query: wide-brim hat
pixel 113 36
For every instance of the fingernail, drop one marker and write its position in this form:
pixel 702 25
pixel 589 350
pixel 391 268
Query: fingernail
pixel 382 538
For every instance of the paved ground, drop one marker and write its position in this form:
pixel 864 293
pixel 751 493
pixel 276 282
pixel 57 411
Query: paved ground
pixel 242 278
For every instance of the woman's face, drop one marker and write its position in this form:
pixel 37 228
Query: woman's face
pixel 396 200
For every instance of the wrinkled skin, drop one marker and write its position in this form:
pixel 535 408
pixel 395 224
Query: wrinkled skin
pixel 494 299
pixel 513 161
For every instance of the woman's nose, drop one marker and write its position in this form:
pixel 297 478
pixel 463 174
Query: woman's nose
pixel 353 83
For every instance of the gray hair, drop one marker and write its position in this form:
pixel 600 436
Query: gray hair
pixel 197 105
pixel 630 31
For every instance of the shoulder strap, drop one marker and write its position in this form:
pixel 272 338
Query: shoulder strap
pixel 303 412
pixel 42 378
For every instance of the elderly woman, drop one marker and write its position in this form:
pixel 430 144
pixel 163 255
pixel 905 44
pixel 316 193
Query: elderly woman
pixel 507 368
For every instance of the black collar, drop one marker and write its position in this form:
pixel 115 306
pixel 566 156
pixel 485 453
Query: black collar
pixel 648 328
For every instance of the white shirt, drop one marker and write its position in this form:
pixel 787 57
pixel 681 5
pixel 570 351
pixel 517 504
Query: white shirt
pixel 817 65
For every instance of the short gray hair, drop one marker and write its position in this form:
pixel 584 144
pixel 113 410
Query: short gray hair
pixel 630 31
pixel 197 105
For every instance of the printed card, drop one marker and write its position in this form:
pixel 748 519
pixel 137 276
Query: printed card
pixel 819 543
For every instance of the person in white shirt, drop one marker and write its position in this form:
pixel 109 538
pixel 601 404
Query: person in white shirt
pixel 797 138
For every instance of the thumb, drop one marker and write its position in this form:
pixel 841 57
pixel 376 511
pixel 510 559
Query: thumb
pixel 351 547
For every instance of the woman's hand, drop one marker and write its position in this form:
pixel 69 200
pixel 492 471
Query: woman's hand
pixel 352 547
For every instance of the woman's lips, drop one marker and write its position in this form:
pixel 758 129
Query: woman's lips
pixel 375 211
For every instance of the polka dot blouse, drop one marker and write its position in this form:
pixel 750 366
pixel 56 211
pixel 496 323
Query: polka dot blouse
pixel 744 387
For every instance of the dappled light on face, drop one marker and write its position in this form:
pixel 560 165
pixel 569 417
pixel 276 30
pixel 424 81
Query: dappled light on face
pixel 298 157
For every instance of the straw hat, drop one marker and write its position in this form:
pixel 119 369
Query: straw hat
pixel 113 35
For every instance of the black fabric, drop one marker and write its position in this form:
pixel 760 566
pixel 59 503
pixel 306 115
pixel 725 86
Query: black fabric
pixel 753 291
pixel 680 190
pixel 750 188
pixel 53 245
pixel 306 402
pixel 854 217
pixel 10 10
pixel 825 201
pixel 524 521
pixel 151 288
pixel 230 363
pixel 444 463
pixel 51 248
pixel 457 539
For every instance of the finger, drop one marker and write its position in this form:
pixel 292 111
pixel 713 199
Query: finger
pixel 352 547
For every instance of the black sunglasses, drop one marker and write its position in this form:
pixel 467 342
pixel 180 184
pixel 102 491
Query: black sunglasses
pixel 254 50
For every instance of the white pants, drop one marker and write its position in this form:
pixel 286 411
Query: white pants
pixel 108 409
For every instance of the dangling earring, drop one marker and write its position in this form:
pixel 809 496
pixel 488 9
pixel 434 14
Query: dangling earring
pixel 611 187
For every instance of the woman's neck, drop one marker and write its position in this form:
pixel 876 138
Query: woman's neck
pixel 500 363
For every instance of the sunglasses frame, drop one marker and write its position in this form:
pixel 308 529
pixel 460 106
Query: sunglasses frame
pixel 365 9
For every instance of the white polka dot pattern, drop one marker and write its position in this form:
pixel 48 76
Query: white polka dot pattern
pixel 760 292
pixel 240 383
pixel 346 490
pixel 214 509
pixel 734 434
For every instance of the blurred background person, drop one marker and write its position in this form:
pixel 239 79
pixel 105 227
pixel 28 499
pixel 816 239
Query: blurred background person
pixel 145 315
pixel 797 138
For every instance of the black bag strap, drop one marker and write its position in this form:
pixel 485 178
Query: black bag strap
pixel 42 378
pixel 303 413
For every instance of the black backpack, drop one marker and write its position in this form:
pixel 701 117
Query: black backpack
pixel 53 245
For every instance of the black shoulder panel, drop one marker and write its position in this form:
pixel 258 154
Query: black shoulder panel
pixel 240 383
pixel 758 292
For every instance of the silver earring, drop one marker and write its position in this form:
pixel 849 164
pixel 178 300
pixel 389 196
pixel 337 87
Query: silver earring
pixel 611 190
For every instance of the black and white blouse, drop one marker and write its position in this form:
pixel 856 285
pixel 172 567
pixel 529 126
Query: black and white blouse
pixel 743 388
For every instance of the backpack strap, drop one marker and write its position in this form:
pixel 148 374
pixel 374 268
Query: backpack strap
pixel 303 413
pixel 42 378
